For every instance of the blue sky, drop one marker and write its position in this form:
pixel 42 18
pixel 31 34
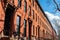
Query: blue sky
pixel 51 11
pixel 48 5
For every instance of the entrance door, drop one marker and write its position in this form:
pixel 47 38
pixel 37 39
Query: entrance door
pixel 8 18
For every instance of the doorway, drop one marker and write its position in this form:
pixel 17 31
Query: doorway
pixel 30 25
pixel 8 18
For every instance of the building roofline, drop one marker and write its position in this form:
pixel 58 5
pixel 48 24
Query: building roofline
pixel 44 14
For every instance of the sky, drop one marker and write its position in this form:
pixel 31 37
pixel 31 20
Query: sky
pixel 50 9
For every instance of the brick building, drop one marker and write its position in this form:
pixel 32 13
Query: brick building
pixel 25 20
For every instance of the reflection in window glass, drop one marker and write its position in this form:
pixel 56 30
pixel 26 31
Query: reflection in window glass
pixel 18 24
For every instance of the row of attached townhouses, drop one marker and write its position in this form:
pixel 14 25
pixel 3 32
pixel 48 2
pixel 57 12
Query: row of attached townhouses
pixel 24 20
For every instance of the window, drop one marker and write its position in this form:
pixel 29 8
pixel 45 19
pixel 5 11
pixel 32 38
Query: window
pixel 35 6
pixel 33 14
pixel 36 17
pixel 43 32
pixel 33 30
pixel 25 6
pixel 39 21
pixel 18 24
pixel 36 31
pixel 19 3
pixel 46 33
pixel 25 27
pixel 33 2
pixel 29 11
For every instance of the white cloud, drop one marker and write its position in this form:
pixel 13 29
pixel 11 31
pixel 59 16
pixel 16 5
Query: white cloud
pixel 51 16
pixel 55 20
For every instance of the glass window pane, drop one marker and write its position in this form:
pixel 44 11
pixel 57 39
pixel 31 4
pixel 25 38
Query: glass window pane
pixel 25 6
pixel 18 24
pixel 19 3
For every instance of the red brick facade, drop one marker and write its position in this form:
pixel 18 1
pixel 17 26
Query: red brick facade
pixel 26 20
